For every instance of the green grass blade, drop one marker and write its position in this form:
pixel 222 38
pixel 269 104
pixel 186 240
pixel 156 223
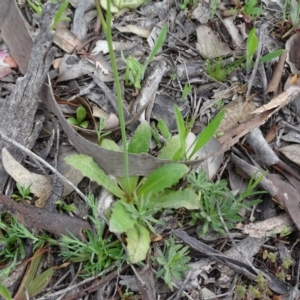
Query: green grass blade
pixel 207 133
pixel 271 55
pixel 181 129
pixel 60 12
pixel 158 44
pixel 252 44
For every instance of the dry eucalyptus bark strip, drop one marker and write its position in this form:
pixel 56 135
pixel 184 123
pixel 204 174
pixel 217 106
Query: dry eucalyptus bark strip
pixel 37 219
pixel 17 114
pixel 15 33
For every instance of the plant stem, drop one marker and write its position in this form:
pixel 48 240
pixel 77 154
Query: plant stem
pixel 107 28
pixel 99 12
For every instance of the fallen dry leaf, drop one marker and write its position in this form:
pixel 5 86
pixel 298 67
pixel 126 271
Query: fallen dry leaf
pixel 66 40
pixel 134 29
pixel 268 227
pixel 213 46
pixel 277 74
pixel 17 37
pixel 281 100
pixel 40 185
pixel 292 152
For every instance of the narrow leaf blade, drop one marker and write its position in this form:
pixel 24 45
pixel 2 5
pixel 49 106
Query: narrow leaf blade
pixel 158 44
pixel 208 132
pixel 162 178
pixel 180 128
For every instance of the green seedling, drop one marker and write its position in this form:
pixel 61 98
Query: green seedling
pixel 252 44
pixel 176 147
pixel 250 10
pixel 216 69
pixel 259 291
pixel 294 12
pixel 117 5
pixel 187 3
pixel 80 118
pixel 272 256
pixel 212 194
pixel 127 295
pixel 101 134
pixel 59 14
pixel 63 207
pixel 23 193
pixel 219 104
pixel 186 90
pixel 287 263
pixel 213 8
pixel 142 198
pixel 172 264
pixel 135 71
pixel 38 6
pixel 163 128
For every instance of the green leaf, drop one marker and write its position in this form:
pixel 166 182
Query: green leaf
pixel 138 243
pixel 252 43
pixel 171 147
pixel 38 284
pixel 158 44
pixel 133 182
pixel 84 124
pixel 110 145
pixel 207 133
pixel 163 128
pixel 120 220
pixel 4 292
pixel 80 114
pixel 175 199
pixel 72 121
pixel 86 165
pixel 59 13
pixel 271 55
pixel 162 178
pixel 181 129
pixel 140 141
